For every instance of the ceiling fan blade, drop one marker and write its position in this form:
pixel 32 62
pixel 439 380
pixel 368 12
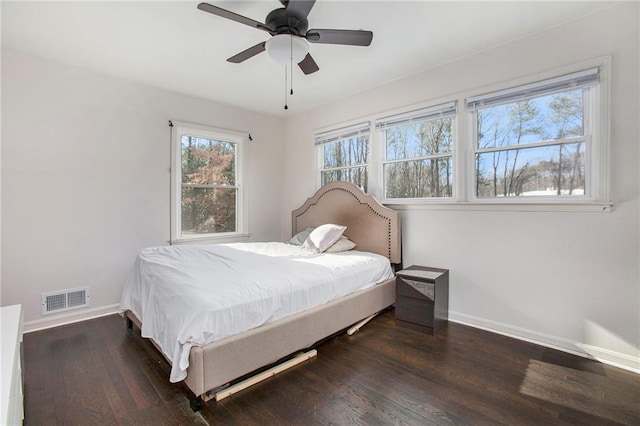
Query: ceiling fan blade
pixel 300 7
pixel 206 7
pixel 249 53
pixel 349 37
pixel 308 65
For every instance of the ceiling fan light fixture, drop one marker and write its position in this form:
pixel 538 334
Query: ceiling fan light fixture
pixel 285 47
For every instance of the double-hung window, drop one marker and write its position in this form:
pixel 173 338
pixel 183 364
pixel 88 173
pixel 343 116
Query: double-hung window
pixel 540 143
pixel 343 155
pixel 536 140
pixel 207 185
pixel 418 153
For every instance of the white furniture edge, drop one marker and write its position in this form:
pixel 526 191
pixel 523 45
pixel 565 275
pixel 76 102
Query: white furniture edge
pixel 11 394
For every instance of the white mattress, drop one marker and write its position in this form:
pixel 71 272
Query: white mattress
pixel 191 295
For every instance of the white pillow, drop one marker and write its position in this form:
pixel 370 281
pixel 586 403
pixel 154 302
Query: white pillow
pixel 323 237
pixel 300 237
pixel 343 244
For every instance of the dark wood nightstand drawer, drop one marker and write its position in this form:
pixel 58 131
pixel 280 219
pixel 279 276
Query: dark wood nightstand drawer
pixel 414 310
pixel 416 289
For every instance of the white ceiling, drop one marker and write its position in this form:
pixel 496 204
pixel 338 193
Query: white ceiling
pixel 172 44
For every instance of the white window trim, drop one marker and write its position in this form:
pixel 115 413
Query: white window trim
pixel 433 109
pixel 597 184
pixel 536 89
pixel 463 152
pixel 343 128
pixel 180 128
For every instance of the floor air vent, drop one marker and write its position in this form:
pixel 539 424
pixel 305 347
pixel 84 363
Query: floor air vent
pixel 64 300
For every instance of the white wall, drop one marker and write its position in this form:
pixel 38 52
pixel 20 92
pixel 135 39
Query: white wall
pixel 567 279
pixel 0 184
pixel 85 178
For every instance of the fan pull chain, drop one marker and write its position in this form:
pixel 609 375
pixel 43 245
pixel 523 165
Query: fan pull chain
pixel 291 62
pixel 285 88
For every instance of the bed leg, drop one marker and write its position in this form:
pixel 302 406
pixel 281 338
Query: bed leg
pixel 129 323
pixel 195 402
pixel 361 324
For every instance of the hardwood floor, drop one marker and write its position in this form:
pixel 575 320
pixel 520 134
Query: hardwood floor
pixel 96 372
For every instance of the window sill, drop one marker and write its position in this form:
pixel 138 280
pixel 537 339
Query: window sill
pixel 211 239
pixel 585 206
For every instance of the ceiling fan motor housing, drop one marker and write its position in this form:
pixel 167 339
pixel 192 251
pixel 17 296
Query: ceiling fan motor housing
pixel 283 22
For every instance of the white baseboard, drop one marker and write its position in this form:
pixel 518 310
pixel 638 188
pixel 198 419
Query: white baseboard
pixel 603 355
pixel 70 317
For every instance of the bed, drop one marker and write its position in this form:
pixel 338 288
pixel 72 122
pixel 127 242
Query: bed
pixel 210 366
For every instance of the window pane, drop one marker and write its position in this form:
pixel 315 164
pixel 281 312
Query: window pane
pixel 356 175
pixel 419 178
pixel 549 117
pixel 208 210
pixel 346 152
pixel 549 170
pixel 207 161
pixel 419 139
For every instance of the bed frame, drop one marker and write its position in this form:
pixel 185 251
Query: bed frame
pixel 373 227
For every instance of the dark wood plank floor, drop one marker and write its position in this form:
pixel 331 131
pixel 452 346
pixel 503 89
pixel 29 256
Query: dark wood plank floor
pixel 95 372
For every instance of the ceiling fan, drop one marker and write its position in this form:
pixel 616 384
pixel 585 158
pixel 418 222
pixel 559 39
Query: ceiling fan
pixel 288 27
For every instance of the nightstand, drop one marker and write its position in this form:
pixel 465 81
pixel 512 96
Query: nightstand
pixel 422 298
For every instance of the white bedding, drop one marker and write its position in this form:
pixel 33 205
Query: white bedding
pixel 191 295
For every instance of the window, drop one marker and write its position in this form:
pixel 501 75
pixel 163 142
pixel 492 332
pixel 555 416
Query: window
pixel 206 175
pixel 535 140
pixel 418 153
pixel 344 155
pixel 537 144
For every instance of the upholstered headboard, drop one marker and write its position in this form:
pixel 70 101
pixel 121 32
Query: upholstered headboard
pixel 372 226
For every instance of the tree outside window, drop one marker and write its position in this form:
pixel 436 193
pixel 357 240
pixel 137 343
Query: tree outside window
pixel 208 186
pixel 532 147
pixel 419 160
pixel 418 153
pixel 344 155
pixel 206 183
pixel 346 160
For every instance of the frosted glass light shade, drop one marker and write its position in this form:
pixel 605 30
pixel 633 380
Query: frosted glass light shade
pixel 283 47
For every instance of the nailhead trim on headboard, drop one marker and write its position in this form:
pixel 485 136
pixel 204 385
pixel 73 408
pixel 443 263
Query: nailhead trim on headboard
pixel 361 198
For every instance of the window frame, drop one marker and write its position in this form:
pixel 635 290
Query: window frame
pixel 180 129
pixel 427 112
pixel 597 178
pixel 592 145
pixel 355 128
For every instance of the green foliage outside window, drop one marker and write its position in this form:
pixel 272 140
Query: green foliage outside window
pixel 208 186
